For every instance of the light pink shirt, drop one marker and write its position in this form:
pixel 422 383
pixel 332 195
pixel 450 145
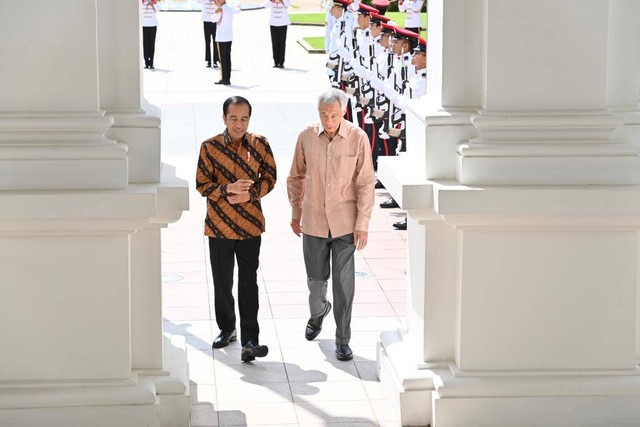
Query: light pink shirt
pixel 331 183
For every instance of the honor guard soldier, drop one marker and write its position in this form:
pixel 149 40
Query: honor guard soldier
pixel 375 27
pixel 149 31
pixel 402 71
pixel 417 84
pixel 224 38
pixel 362 65
pixel 413 21
pixel 341 47
pixel 208 11
pixel 381 71
pixel 370 127
pixel 278 21
pixel 416 87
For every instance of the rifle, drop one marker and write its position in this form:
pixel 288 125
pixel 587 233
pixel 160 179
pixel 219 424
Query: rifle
pixel 381 100
pixel 366 87
pixel 393 130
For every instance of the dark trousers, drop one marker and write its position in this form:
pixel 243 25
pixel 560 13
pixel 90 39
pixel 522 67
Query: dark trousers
pixel 387 147
pixel 372 132
pixel 149 44
pixel 224 52
pixel 278 43
pixel 222 253
pixel 360 113
pixel 209 38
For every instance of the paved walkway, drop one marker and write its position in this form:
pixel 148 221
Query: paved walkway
pixel 299 383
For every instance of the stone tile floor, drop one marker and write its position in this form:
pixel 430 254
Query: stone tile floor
pixel 299 383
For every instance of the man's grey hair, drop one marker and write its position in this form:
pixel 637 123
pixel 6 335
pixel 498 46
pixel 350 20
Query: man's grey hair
pixel 333 95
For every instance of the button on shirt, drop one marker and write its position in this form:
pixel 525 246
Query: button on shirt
pixel 331 183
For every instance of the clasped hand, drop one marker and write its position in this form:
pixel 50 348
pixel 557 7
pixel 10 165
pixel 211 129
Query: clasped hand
pixel 239 191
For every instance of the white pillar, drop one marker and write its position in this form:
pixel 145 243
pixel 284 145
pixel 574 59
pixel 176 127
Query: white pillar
pixel 521 185
pixel 82 198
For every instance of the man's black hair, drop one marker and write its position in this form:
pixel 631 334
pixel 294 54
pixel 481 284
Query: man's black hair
pixel 235 100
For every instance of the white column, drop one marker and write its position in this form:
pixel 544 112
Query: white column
pixel 82 198
pixel 52 131
pixel 521 186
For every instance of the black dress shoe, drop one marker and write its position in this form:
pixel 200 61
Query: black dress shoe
pixel 280 65
pixel 152 67
pixel 389 203
pixel 251 350
pixel 216 65
pixel 223 82
pixel 314 325
pixel 224 339
pixel 379 184
pixel 208 64
pixel 343 352
pixel 400 225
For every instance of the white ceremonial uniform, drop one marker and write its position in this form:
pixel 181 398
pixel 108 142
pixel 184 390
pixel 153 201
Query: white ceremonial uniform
pixel 224 32
pixel 149 18
pixel 365 51
pixel 149 31
pixel 412 8
pixel 377 47
pixel 416 87
pixel 279 16
pixel 401 62
pixel 335 64
pixel 347 35
pixel 335 37
pixel 208 10
pixel 329 22
pixel 278 24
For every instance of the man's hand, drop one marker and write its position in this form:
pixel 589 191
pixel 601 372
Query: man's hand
pixel 240 186
pixel 360 239
pixel 296 227
pixel 234 199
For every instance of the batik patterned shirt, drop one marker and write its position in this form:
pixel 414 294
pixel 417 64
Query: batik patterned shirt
pixel 223 162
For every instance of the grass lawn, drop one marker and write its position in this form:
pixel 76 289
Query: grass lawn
pixel 315 42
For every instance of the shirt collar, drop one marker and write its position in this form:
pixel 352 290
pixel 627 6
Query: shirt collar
pixel 227 138
pixel 342 131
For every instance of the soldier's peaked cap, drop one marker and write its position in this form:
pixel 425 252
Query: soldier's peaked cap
pixel 342 3
pixel 410 36
pixel 379 19
pixel 387 28
pixel 366 9
pixel 401 33
pixel 421 46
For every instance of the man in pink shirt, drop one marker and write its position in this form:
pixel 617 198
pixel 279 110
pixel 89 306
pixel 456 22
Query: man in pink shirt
pixel 331 190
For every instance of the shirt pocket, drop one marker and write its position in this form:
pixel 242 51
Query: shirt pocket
pixel 345 175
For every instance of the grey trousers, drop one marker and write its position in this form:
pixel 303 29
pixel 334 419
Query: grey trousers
pixel 318 253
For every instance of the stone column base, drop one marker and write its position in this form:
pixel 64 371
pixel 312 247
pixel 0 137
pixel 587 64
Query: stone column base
pixel 128 403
